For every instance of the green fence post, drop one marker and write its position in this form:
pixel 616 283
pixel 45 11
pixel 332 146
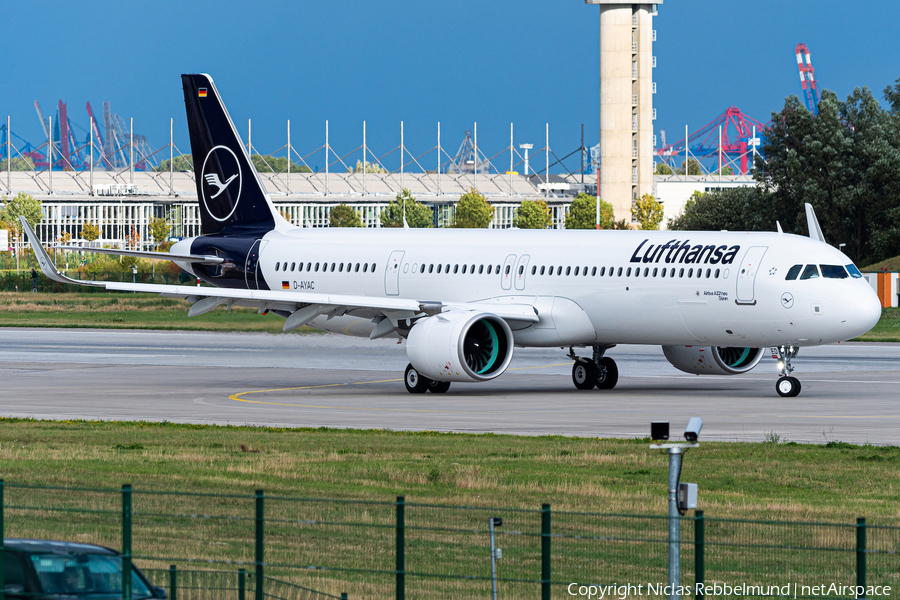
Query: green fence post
pixel 861 554
pixel 545 552
pixel 401 548
pixel 242 584
pixel 173 583
pixel 699 565
pixel 2 551
pixel 260 522
pixel 126 541
pixel 343 595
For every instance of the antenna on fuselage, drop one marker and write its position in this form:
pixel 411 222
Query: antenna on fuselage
pixel 815 230
pixel 778 225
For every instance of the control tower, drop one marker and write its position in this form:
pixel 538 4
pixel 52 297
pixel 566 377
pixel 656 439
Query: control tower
pixel 626 102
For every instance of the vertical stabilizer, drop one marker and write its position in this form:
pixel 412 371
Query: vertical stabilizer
pixel 815 230
pixel 231 196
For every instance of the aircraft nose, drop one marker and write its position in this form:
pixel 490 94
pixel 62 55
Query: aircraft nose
pixel 867 312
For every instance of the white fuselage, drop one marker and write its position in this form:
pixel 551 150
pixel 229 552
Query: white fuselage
pixel 607 287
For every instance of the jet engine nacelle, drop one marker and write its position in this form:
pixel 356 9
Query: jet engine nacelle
pixel 713 360
pixel 460 346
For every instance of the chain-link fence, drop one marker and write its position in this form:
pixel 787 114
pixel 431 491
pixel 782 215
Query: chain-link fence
pixel 200 545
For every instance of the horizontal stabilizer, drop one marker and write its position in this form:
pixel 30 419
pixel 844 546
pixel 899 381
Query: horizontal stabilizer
pixel 193 258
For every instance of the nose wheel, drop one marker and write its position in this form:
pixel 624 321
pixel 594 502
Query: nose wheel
pixel 786 386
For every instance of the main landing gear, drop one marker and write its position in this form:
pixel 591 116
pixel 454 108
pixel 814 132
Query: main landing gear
pixel 419 384
pixel 786 386
pixel 598 371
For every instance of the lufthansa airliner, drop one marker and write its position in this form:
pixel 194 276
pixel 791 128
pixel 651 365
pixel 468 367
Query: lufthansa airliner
pixel 463 299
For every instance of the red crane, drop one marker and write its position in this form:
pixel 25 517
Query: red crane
pixel 807 75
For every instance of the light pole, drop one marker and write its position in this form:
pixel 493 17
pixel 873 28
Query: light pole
pixel 526 148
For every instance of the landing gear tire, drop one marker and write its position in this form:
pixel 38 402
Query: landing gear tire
pixel 415 383
pixel 787 387
pixel 438 387
pixel 584 375
pixel 608 380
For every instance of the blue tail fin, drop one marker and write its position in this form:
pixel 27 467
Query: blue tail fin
pixel 232 198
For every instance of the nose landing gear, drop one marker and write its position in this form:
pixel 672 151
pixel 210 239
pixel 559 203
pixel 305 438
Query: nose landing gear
pixel 598 371
pixel 786 386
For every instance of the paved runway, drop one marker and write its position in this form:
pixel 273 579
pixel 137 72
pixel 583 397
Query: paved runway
pixel 850 392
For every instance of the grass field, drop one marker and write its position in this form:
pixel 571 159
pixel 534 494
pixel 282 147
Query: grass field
pixel 440 475
pixel 126 311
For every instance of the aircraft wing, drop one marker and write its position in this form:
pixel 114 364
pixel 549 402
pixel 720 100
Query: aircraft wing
pixel 302 307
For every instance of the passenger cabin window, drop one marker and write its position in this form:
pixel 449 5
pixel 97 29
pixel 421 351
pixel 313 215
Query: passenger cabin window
pixel 833 272
pixel 292 266
pixel 276 266
pixel 534 269
pixel 542 270
pixel 810 272
pixel 594 271
pixel 507 270
pixel 620 271
pixel 480 269
pixel 568 270
pixel 793 272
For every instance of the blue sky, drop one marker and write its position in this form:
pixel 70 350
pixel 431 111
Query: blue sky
pixel 529 62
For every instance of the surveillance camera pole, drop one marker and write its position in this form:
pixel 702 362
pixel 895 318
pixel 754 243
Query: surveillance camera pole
pixel 498 521
pixel 676 454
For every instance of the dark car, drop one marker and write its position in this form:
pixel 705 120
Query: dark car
pixel 38 569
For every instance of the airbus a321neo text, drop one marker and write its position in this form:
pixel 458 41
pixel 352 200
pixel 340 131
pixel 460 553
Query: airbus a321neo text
pixel 463 299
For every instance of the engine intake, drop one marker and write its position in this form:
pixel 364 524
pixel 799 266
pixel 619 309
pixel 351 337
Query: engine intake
pixel 713 360
pixel 460 346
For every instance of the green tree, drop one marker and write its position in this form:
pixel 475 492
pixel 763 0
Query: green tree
pixel 417 214
pixel 370 168
pixel 472 211
pixel 648 212
pixel 583 213
pixel 694 167
pixel 845 162
pixel 21 205
pixel 159 230
pixel 181 164
pixel 18 164
pixel 663 169
pixel 277 164
pixel 732 209
pixel 533 214
pixel 90 231
pixel 343 215
pixel 726 170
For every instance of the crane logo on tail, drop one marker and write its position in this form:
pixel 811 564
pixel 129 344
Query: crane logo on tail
pixel 213 180
pixel 221 199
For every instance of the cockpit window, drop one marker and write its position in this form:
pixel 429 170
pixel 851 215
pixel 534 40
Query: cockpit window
pixel 793 272
pixel 854 272
pixel 833 272
pixel 810 272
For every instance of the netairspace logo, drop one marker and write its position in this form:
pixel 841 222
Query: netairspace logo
pixel 623 591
